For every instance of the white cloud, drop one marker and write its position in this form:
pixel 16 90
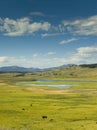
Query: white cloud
pixel 87 26
pixel 37 14
pixel 3 59
pixel 22 26
pixel 68 41
pixel 51 53
pixel 38 61
pixel 83 55
pixel 51 34
pixel 35 55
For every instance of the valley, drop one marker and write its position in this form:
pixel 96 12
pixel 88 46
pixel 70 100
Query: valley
pixel 43 107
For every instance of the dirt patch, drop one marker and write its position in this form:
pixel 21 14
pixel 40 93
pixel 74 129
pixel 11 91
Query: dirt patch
pixel 39 90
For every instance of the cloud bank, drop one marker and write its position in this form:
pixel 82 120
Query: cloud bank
pixel 22 26
pixel 83 55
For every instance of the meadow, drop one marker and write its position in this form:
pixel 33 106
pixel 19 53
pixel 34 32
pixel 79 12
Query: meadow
pixel 47 108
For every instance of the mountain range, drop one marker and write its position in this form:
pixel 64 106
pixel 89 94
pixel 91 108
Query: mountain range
pixel 28 70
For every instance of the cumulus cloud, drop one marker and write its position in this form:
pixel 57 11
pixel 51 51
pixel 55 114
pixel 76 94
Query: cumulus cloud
pixel 83 55
pixel 68 41
pixel 22 26
pixel 87 26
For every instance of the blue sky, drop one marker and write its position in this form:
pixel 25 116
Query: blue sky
pixel 45 33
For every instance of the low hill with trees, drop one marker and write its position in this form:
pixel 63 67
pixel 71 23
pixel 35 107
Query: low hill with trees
pixel 80 71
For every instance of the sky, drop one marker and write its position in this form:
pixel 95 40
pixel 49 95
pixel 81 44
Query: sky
pixel 48 33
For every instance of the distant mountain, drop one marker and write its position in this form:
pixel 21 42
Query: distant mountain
pixel 27 70
pixel 18 69
pixel 30 70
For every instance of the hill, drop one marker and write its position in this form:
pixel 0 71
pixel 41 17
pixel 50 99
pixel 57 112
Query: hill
pixel 77 71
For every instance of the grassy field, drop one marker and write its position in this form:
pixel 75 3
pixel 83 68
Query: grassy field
pixel 47 108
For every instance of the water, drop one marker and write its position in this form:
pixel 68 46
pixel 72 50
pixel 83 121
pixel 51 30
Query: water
pixel 46 83
pixel 51 83
pixel 66 80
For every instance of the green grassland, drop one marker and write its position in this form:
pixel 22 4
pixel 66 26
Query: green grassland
pixel 23 107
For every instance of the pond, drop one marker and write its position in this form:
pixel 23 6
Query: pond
pixel 51 83
pixel 46 83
